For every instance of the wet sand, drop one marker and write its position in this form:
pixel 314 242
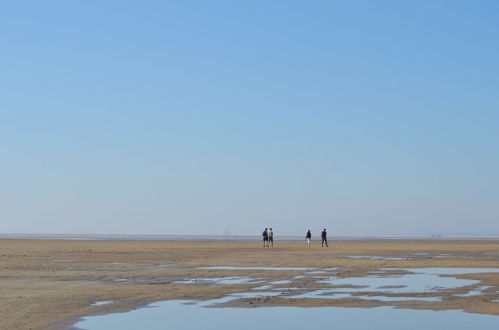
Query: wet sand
pixel 51 283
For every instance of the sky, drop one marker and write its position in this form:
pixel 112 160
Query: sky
pixel 208 117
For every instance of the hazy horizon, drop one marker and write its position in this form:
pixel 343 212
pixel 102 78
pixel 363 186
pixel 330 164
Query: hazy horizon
pixel 253 236
pixel 367 118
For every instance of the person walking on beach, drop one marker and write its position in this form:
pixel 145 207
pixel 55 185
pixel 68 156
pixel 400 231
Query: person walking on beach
pixel 271 237
pixel 265 236
pixel 324 237
pixel 309 238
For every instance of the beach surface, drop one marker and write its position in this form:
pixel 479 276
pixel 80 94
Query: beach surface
pixel 52 283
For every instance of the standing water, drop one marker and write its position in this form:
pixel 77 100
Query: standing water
pixel 177 314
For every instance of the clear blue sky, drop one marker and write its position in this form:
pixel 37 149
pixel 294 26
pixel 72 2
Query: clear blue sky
pixel 197 117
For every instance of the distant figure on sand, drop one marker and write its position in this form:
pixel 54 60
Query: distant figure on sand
pixel 265 236
pixel 324 237
pixel 270 234
pixel 309 238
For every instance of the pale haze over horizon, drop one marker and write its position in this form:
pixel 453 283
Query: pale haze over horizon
pixel 195 117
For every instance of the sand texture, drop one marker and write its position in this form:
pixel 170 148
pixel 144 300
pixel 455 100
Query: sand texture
pixel 51 283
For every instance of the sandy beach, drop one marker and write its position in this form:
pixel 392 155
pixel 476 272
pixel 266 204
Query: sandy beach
pixel 52 283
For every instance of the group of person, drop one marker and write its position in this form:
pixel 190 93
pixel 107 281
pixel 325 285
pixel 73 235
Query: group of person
pixel 308 236
pixel 268 238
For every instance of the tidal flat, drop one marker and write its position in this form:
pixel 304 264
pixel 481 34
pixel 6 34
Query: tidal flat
pixel 105 277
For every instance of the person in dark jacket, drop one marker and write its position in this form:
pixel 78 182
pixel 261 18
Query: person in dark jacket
pixel 309 238
pixel 324 237
pixel 270 234
pixel 265 236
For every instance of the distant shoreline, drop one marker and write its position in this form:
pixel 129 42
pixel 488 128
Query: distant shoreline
pixel 128 237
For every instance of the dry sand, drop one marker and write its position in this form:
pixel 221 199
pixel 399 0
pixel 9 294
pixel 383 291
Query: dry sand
pixel 51 283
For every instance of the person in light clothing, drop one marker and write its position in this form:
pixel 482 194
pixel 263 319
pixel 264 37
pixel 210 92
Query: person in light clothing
pixel 309 238
pixel 271 237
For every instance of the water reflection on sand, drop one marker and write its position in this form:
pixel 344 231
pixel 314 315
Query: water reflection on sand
pixel 384 285
pixel 177 314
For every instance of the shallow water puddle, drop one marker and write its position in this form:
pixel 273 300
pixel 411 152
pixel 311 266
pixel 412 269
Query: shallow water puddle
pixel 448 270
pixel 177 314
pixel 229 280
pixel 476 292
pixel 102 302
pixel 117 263
pixel 402 283
pixel 316 272
pixel 378 257
pixel 270 285
pixel 332 294
pixel 429 254
pixel 280 282
pixel 417 280
pixel 255 268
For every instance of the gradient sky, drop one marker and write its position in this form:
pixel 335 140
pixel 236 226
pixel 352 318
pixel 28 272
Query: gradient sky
pixel 197 117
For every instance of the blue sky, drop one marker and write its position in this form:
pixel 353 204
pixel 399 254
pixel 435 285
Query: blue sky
pixel 195 117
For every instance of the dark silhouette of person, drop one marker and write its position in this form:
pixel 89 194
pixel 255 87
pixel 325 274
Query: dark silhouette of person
pixel 324 237
pixel 265 236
